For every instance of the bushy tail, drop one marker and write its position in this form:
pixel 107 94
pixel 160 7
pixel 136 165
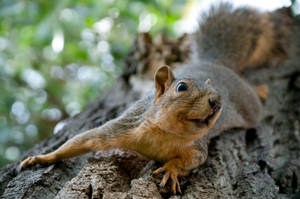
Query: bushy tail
pixel 238 38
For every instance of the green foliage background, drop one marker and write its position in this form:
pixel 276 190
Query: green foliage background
pixel 42 84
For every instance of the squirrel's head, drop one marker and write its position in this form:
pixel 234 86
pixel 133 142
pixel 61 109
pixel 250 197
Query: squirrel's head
pixel 184 107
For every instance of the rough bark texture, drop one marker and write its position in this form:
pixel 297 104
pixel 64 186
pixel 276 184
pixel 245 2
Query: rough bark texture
pixel 253 163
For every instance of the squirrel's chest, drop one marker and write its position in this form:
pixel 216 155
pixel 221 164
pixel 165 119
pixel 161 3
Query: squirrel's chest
pixel 159 147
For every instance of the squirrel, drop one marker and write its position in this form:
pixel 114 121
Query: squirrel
pixel 192 103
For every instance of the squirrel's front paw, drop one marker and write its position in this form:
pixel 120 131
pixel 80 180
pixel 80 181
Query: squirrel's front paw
pixel 170 172
pixel 31 160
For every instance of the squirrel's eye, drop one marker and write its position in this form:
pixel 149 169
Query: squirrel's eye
pixel 182 87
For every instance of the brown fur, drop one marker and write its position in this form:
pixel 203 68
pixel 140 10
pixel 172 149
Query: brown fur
pixel 169 126
pixel 243 37
pixel 174 127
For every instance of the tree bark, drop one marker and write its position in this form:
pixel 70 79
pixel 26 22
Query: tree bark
pixel 242 163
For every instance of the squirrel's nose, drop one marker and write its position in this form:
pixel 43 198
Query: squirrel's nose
pixel 215 102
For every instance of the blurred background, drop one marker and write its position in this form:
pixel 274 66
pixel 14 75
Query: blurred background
pixel 57 56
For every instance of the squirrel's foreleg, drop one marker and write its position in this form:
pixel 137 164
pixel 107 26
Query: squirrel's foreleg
pixel 88 141
pixel 181 166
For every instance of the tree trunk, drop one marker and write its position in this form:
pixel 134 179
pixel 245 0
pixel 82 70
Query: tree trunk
pixel 254 163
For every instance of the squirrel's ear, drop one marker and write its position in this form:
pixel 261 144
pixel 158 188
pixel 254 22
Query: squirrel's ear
pixel 163 79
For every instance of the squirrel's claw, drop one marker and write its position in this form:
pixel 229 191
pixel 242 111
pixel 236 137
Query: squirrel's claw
pixel 158 171
pixel 175 186
pixel 165 179
pixel 31 160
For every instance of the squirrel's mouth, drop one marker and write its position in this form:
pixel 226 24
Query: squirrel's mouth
pixel 212 116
